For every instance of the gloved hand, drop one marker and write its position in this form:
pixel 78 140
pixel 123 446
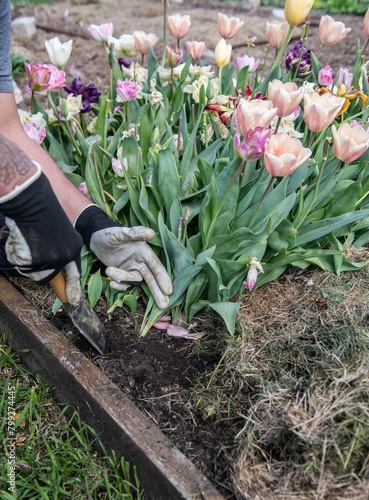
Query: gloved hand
pixel 129 259
pixel 41 240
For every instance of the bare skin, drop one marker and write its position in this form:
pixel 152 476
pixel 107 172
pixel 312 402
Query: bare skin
pixel 70 198
pixel 15 167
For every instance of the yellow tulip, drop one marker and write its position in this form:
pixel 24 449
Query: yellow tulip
pixel 222 53
pixel 296 11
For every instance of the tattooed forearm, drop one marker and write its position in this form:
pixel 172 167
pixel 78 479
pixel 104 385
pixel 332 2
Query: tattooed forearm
pixel 13 162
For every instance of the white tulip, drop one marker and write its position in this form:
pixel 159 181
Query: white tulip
pixel 58 52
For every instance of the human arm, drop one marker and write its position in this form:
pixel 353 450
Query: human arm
pixel 127 255
pixel 41 240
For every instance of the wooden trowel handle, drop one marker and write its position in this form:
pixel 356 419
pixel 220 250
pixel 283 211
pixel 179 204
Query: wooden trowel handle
pixel 58 284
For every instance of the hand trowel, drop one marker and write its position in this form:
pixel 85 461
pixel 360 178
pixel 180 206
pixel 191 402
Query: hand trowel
pixel 82 315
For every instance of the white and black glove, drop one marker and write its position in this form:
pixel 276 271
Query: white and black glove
pixel 41 240
pixel 125 253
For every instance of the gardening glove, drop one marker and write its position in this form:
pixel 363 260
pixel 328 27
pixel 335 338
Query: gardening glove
pixel 41 240
pixel 129 259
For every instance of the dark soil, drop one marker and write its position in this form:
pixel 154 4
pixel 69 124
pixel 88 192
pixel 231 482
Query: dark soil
pixel 159 374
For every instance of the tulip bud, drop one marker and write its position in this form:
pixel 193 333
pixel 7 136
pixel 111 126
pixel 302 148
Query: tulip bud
pixel 325 76
pixel 178 25
pixel 345 77
pixel 222 53
pixel 286 97
pixel 101 32
pixel 59 53
pixel 228 26
pixel 143 41
pixel 321 110
pixel 276 33
pixel 174 56
pixel 331 31
pixel 284 155
pixel 195 49
pixel 296 11
pixel 349 142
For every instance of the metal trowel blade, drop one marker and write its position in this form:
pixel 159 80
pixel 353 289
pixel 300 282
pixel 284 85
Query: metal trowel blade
pixel 87 322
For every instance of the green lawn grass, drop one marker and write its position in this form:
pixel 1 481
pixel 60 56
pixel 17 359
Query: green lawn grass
pixel 46 451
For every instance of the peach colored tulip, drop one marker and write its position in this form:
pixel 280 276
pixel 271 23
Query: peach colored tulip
pixel 284 155
pixel 284 96
pixel 276 32
pixel 178 25
pixel 143 41
pixel 366 24
pixel 331 31
pixel 349 142
pixel 228 26
pixel 222 53
pixel 321 110
pixel 296 11
pixel 252 114
pixel 195 49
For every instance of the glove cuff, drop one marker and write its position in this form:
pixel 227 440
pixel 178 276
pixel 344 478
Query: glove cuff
pixel 19 188
pixel 90 220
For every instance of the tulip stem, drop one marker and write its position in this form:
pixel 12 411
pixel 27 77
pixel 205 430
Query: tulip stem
pixel 270 184
pixel 220 80
pixel 164 33
pixel 365 47
pixel 283 47
pixel 302 214
pixel 277 125
pixel 265 61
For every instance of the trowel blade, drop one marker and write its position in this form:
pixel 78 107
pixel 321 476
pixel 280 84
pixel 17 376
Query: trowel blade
pixel 87 322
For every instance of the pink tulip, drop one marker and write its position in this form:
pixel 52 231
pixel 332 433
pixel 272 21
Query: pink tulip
pixel 284 155
pixel 228 26
pixel 195 49
pixel 57 80
pixel 321 110
pixel 345 77
pixel 251 62
pixel 276 32
pixel 126 90
pixel 43 77
pixel 178 25
pixel 252 114
pixel 331 31
pixel 325 76
pixel 252 146
pixel 143 41
pixel 37 134
pixel 286 97
pixel 349 142
pixel 366 24
pixel 38 77
pixel 101 32
pixel 174 56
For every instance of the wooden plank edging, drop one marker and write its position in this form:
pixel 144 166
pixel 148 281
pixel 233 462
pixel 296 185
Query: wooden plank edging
pixel 164 472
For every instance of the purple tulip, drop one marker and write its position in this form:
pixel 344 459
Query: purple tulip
pixel 293 57
pixel 88 91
